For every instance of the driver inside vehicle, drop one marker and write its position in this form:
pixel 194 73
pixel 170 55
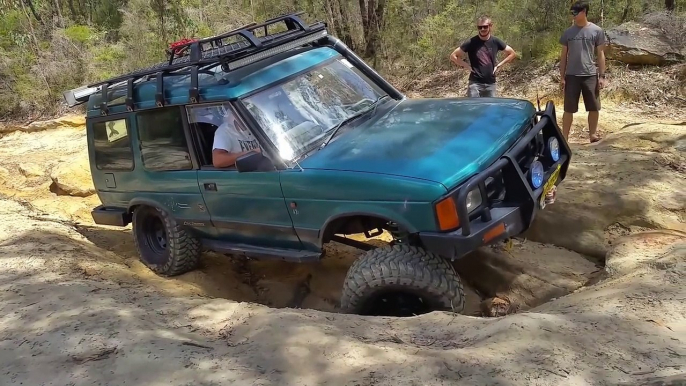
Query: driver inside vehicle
pixel 232 140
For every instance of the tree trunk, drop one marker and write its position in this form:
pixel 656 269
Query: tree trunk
pixel 365 19
pixel 33 10
pixel 37 49
pixel 82 7
pixel 372 19
pixel 625 14
pixel 60 18
pixel 72 9
pixel 343 24
pixel 670 5
pixel 329 15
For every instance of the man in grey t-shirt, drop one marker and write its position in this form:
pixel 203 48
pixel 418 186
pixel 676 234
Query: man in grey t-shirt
pixel 582 43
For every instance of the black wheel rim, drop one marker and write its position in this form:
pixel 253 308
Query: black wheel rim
pixel 397 303
pixel 156 237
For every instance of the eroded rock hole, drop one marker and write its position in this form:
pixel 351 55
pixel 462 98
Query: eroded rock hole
pixel 55 189
pixel 397 303
pixel 497 280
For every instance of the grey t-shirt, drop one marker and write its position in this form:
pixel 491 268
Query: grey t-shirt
pixel 581 43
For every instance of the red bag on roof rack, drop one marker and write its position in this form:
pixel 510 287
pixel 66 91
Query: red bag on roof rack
pixel 173 47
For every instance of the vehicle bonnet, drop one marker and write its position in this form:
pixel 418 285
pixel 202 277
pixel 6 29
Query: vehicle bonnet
pixel 444 140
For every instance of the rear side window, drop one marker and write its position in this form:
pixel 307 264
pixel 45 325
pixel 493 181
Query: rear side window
pixel 162 140
pixel 112 145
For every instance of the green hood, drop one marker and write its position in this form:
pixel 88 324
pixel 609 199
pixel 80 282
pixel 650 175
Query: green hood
pixel 440 140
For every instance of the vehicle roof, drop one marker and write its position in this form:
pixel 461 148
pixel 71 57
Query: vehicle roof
pixel 220 87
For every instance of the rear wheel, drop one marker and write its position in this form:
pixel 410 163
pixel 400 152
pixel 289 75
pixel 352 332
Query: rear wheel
pixel 401 280
pixel 164 246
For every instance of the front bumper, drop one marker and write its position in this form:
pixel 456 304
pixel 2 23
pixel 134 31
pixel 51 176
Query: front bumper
pixel 497 220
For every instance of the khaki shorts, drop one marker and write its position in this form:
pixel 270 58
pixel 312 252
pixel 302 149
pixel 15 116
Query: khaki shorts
pixel 588 86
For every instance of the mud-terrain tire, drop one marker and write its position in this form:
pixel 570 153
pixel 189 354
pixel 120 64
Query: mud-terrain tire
pixel 383 273
pixel 164 246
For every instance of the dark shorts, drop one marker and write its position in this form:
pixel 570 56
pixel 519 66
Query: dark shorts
pixel 587 86
pixel 476 90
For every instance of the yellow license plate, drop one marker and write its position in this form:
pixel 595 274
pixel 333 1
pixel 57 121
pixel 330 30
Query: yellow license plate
pixel 552 180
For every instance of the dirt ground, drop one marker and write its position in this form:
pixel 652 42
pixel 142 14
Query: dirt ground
pixel 595 288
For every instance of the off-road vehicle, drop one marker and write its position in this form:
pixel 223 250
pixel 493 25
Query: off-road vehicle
pixel 341 151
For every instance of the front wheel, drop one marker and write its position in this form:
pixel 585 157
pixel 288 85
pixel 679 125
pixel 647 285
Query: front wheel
pixel 401 280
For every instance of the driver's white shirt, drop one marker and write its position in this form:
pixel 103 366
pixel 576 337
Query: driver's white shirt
pixel 234 140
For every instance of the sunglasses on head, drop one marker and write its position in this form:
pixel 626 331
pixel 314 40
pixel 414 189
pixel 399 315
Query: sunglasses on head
pixel 575 12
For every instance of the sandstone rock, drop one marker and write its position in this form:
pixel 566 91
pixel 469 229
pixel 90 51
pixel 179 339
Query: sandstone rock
pixel 635 43
pixel 66 121
pixel 631 179
pixel 496 306
pixel 73 178
pixel 4 174
pixel 31 170
pixel 526 276
pixel 650 248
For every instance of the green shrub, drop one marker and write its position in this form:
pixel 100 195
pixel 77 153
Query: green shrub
pixel 79 33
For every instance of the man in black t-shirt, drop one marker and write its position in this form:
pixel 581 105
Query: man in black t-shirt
pixel 482 50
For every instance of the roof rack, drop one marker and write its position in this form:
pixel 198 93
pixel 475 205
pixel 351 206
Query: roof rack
pixel 194 56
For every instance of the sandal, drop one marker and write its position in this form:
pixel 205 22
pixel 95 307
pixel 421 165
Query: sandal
pixel 550 197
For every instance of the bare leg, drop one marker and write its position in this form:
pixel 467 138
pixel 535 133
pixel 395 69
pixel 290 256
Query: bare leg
pixel 567 124
pixel 593 125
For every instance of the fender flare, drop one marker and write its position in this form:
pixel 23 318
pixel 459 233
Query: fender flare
pixel 144 201
pixel 402 223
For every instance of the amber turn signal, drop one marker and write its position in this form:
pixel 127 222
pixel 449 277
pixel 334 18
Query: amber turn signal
pixel 447 214
pixel 494 232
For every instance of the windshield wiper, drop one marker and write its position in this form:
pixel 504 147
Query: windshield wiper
pixel 335 129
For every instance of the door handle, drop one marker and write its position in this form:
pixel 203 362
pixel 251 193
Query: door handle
pixel 210 186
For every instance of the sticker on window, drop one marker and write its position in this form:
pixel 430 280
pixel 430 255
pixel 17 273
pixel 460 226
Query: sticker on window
pixel 115 130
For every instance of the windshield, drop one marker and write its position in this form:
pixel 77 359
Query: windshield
pixel 299 114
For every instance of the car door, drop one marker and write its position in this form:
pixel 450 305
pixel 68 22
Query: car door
pixel 246 208
pixel 166 175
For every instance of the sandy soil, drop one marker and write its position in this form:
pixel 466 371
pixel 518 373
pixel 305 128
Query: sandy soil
pixel 596 287
pixel 81 312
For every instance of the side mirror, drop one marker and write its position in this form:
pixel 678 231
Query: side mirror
pixel 254 162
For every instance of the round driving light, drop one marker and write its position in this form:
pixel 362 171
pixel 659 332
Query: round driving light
pixel 536 174
pixel 554 148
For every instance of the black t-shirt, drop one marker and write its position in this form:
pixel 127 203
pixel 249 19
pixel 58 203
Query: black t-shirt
pixel 483 57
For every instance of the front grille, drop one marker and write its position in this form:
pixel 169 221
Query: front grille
pixel 495 188
pixel 534 148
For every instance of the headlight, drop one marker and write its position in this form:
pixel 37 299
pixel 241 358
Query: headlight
pixel 536 174
pixel 554 148
pixel 473 200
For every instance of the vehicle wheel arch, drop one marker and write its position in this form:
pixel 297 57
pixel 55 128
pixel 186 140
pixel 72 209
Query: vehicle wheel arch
pixel 137 202
pixel 358 222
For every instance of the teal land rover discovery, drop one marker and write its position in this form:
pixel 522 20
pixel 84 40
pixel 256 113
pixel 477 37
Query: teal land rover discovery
pixel 323 147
